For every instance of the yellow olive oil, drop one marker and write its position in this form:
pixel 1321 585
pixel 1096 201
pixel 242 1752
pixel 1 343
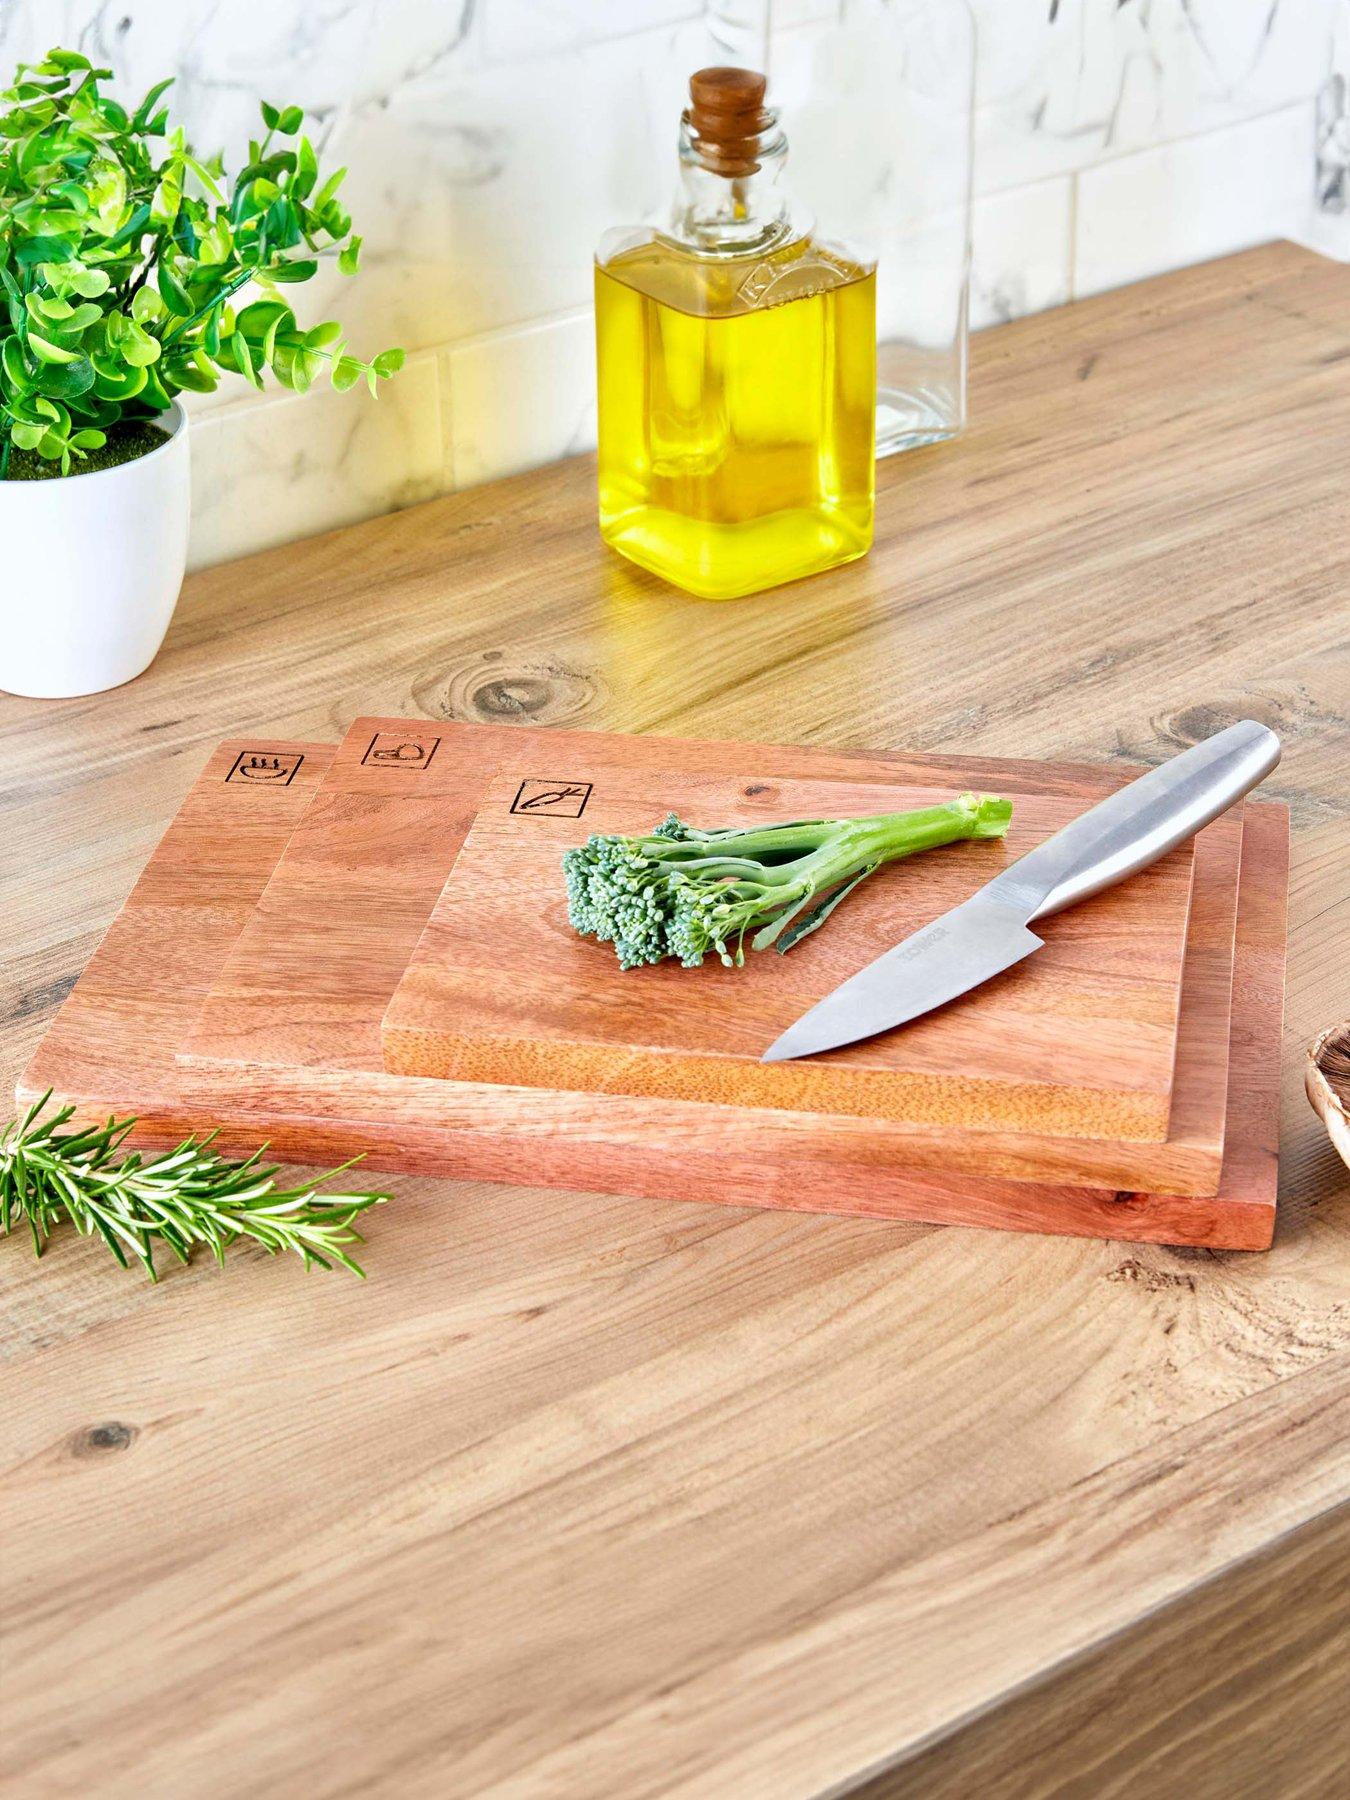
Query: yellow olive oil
pixel 737 401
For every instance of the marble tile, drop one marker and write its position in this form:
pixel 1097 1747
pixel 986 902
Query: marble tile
pixel 1100 78
pixel 516 399
pixel 266 473
pixel 1022 255
pixel 514 30
pixel 1186 202
pixel 1328 225
pixel 482 198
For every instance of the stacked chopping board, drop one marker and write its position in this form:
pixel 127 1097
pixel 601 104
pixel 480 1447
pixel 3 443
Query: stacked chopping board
pixel 366 949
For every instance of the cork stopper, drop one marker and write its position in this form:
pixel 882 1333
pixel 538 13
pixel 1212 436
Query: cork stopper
pixel 727 117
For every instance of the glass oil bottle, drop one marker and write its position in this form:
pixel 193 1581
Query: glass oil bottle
pixel 736 359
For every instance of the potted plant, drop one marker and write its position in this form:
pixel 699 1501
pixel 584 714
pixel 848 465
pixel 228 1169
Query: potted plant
pixel 133 270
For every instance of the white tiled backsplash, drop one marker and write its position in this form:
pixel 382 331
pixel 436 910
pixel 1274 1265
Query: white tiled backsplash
pixel 491 141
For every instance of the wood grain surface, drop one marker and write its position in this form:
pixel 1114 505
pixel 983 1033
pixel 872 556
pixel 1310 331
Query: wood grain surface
pixel 501 989
pixel 111 1049
pixel 579 1494
pixel 304 990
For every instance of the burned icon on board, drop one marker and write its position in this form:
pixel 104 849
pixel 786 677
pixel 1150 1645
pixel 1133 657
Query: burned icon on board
pixel 266 766
pixel 552 799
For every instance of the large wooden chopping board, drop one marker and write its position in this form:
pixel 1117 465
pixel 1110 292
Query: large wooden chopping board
pixel 314 970
pixel 110 1050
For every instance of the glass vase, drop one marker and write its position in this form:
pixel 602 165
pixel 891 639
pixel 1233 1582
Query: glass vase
pixel 879 108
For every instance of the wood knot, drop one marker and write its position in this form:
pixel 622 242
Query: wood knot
pixel 100 1440
pixel 1193 724
pixel 1153 1281
pixel 497 689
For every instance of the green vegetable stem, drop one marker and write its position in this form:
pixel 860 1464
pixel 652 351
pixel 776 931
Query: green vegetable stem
pixel 681 893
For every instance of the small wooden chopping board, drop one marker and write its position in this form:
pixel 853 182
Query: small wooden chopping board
pixel 1077 1040
pixel 110 1049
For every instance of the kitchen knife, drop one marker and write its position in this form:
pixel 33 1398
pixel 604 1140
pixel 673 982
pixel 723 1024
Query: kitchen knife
pixel 988 933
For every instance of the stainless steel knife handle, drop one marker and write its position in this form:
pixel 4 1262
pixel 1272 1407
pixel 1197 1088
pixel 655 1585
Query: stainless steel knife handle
pixel 1140 823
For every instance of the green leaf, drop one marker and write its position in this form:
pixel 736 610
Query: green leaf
pixel 108 193
pixel 349 257
pixel 388 363
pixel 47 352
pixel 295 367
pixel 89 439
pixel 216 245
pixel 29 252
pixel 145 111
pixel 147 305
pixel 138 347
pixel 243 358
pixel 306 169
pixel 192 371
pixel 75 278
pixel 174 293
pixel 168 199
pixel 323 337
pixel 116 382
pixel 329 188
pixel 131 232
pixel 347 371
pixel 260 323
pixel 292 118
pixel 71 194
pixel 299 268
pixel 271 115
pixel 59 318
pixel 15 370
pixel 204 175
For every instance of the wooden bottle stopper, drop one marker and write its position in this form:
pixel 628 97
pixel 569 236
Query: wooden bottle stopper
pixel 727 117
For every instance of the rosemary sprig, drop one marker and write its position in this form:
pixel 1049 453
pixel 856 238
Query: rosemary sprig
pixel 189 1196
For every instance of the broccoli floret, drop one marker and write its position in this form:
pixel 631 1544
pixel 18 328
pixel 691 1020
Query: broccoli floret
pixel 683 893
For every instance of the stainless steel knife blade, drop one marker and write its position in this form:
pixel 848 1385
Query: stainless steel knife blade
pixel 969 945
pixel 988 933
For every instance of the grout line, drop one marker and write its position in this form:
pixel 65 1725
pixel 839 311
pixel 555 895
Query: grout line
pixel 565 316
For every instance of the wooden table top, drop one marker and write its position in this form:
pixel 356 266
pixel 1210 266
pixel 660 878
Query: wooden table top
pixel 588 1496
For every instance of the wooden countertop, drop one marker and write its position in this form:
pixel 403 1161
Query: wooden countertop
pixel 588 1496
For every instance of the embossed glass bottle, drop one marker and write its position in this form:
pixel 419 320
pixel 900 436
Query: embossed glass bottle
pixel 737 369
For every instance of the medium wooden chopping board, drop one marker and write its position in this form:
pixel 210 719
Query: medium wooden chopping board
pixel 313 971
pixel 110 1050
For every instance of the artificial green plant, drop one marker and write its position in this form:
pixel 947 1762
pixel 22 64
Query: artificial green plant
pixel 134 269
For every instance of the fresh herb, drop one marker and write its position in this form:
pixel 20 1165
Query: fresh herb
pixel 188 1196
pixel 680 892
pixel 122 254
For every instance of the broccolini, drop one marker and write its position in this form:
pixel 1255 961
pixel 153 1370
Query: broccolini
pixel 683 893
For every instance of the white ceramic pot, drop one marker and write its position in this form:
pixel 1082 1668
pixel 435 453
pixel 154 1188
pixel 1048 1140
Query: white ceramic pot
pixel 90 569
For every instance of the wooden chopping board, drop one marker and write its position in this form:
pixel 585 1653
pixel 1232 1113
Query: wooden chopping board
pixel 314 970
pixel 110 1050
pixel 1079 1039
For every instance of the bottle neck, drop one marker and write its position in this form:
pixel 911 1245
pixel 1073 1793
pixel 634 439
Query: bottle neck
pixel 732 214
